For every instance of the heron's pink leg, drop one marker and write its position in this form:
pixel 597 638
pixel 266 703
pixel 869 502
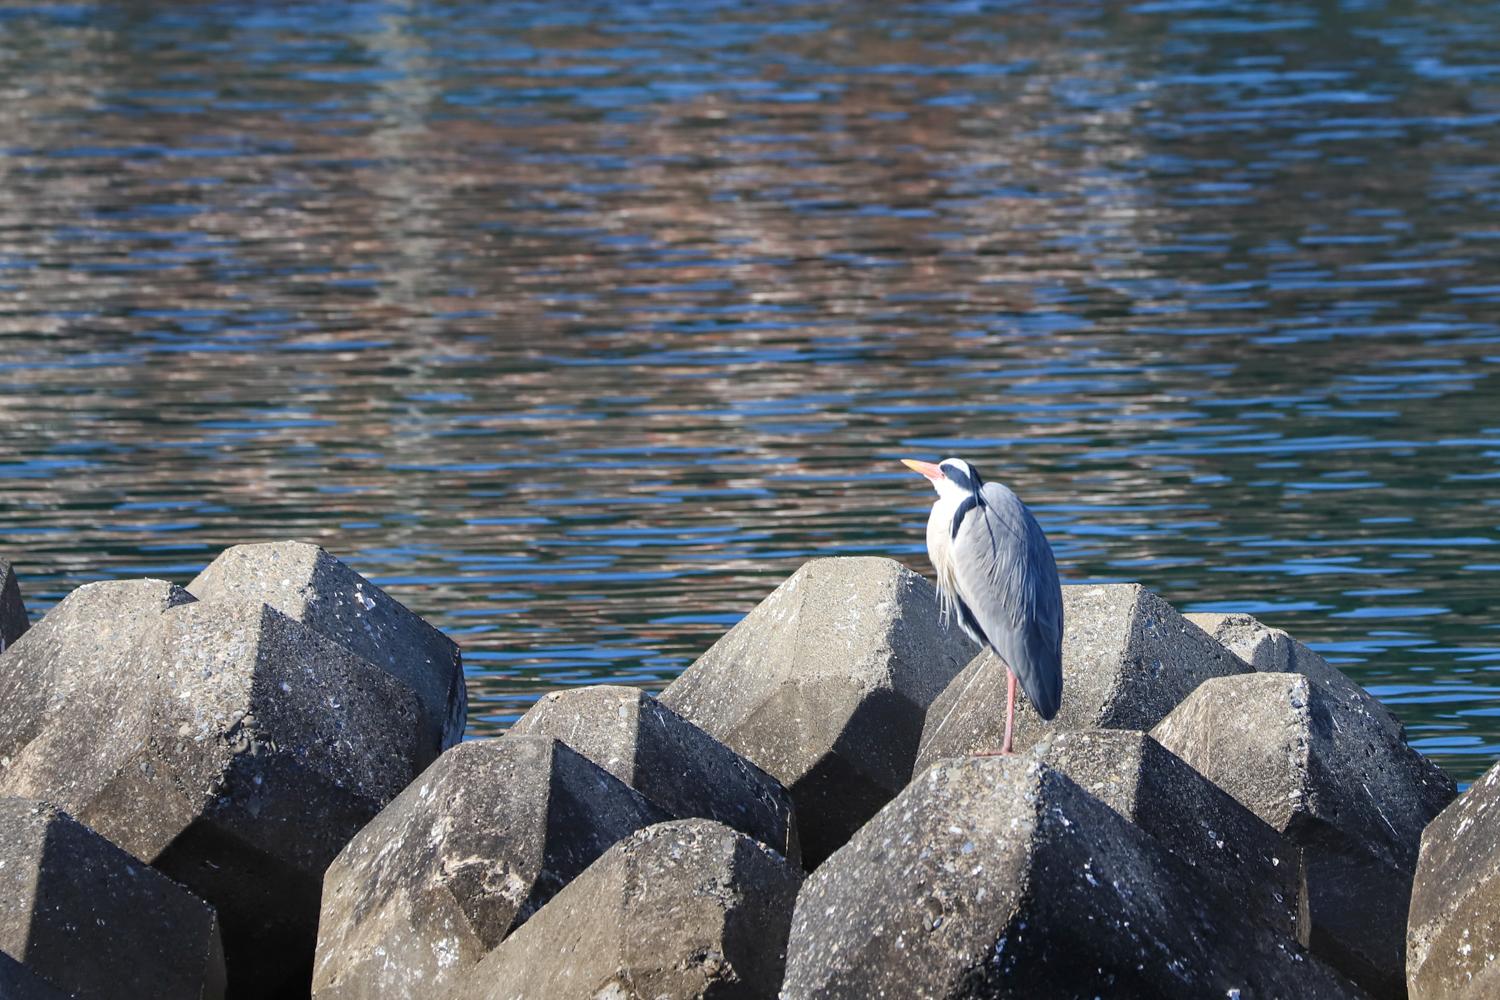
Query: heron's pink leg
pixel 1010 715
pixel 1010 708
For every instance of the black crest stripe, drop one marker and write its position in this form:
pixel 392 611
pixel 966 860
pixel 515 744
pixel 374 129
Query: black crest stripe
pixel 958 476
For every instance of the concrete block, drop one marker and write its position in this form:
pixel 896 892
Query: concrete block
pixel 1272 650
pixel 1453 937
pixel 992 877
pixel 484 837
pixel 824 685
pixel 88 634
pixel 1352 911
pixel 237 751
pixel 678 911
pixel 93 921
pixel 1338 783
pixel 1188 815
pixel 13 619
pixel 667 759
pixel 19 983
pixel 308 584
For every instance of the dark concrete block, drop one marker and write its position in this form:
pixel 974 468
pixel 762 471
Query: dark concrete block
pixel 19 983
pixel 1272 650
pixel 992 877
pixel 13 619
pixel 485 836
pixel 667 759
pixel 824 686
pixel 1353 912
pixel 86 637
pixel 1453 936
pixel 305 582
pixel 1336 782
pixel 1190 816
pixel 1297 758
pixel 1128 658
pixel 678 911
pixel 94 921
pixel 237 751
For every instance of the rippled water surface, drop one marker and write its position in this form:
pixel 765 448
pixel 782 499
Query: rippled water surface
pixel 580 326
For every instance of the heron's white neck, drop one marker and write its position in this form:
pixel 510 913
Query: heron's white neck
pixel 940 547
pixel 949 492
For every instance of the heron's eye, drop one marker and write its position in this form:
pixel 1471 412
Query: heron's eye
pixel 957 476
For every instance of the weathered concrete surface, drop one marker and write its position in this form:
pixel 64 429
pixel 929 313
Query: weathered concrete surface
pixel 19 983
pixel 824 685
pixel 13 618
pixel 1187 814
pixel 237 751
pixel 667 759
pixel 1354 903
pixel 1295 757
pixel 1272 650
pixel 1337 783
pixel 86 636
pixel 305 582
pixel 997 876
pixel 1453 940
pixel 94 921
pixel 1128 658
pixel 1353 912
pixel 485 836
pixel 679 911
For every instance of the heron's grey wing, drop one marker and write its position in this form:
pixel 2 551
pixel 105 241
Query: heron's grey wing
pixel 1007 580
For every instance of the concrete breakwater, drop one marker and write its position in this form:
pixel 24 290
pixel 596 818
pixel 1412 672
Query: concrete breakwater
pixel 253 786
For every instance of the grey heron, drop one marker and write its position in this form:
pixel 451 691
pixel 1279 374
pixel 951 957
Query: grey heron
pixel 996 572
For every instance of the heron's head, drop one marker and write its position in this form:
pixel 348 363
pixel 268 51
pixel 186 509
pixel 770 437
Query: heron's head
pixel 952 477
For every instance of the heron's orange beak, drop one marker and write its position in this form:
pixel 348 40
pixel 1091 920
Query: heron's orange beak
pixel 927 469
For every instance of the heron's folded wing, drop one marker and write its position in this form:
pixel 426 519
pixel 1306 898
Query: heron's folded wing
pixel 1007 578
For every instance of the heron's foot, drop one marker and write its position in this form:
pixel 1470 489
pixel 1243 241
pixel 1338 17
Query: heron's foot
pixel 993 753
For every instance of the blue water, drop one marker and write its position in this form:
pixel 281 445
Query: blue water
pixel 579 328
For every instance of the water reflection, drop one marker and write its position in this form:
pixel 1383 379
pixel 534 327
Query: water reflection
pixel 580 328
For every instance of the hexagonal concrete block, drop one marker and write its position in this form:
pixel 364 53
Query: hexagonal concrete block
pixel 678 911
pixel 824 685
pixel 94 921
pixel 1272 650
pixel 237 751
pixel 1453 937
pixel 1000 877
pixel 13 619
pixel 1184 812
pixel 307 583
pixel 1128 658
pixel 485 836
pixel 1338 784
pixel 667 759
pixel 1297 758
pixel 86 637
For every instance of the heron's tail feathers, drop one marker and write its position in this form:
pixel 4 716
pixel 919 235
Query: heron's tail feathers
pixel 1040 675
